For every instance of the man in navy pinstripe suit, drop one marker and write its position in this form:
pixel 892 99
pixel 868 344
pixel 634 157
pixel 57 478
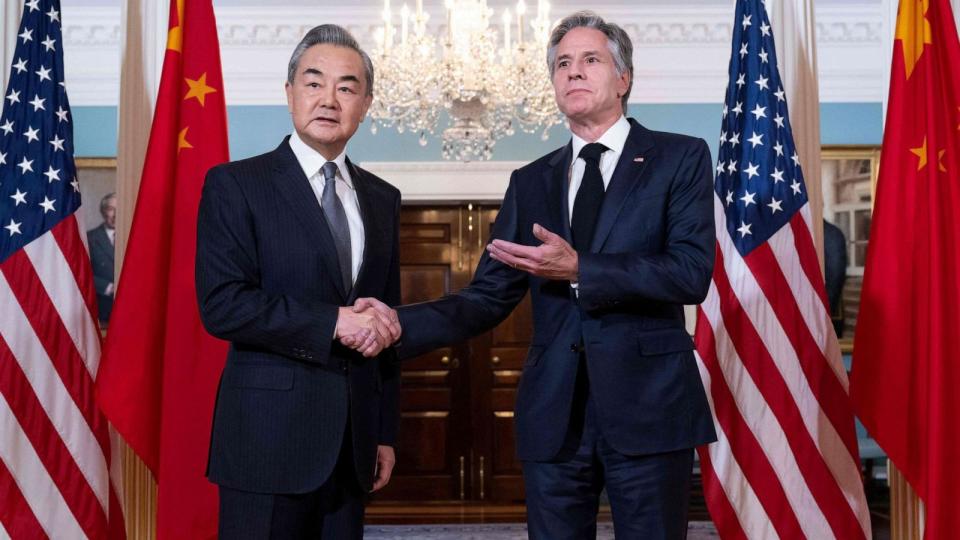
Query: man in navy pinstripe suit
pixel 303 427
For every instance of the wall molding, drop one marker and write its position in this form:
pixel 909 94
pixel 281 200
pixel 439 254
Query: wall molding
pixel 94 27
pixel 681 51
pixel 92 42
pixel 446 181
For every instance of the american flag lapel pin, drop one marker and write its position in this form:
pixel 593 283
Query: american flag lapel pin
pixel 638 159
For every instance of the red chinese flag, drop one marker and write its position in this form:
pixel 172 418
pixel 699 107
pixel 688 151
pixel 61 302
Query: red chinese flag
pixel 906 372
pixel 159 372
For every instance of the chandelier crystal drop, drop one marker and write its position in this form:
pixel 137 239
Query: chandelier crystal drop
pixel 481 82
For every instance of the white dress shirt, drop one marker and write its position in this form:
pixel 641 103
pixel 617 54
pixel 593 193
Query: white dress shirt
pixel 312 162
pixel 614 139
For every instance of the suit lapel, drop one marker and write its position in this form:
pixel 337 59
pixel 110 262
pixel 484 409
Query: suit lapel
pixel 295 188
pixel 627 176
pixel 557 192
pixel 372 230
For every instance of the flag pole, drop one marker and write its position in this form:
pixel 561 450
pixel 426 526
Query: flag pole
pixel 906 510
pixel 145 33
pixel 139 497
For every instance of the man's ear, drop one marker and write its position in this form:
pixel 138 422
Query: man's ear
pixel 623 83
pixel 367 101
pixel 288 88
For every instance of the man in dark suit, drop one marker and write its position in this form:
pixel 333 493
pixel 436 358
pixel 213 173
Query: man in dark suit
pixel 303 427
pixel 835 271
pixel 100 240
pixel 610 394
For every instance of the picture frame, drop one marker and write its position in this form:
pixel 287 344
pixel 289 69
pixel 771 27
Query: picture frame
pixel 849 182
pixel 97 177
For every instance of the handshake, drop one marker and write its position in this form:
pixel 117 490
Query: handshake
pixel 368 326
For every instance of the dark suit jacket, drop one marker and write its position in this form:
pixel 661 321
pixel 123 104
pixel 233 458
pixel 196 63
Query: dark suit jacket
pixel 652 252
pixel 268 281
pixel 101 258
pixel 835 263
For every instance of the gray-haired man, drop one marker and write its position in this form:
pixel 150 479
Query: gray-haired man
pixel 303 427
pixel 611 234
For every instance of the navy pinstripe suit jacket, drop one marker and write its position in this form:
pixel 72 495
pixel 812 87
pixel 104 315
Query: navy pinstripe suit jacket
pixel 268 281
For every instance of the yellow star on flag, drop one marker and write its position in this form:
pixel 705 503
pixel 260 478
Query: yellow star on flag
pixel 198 89
pixel 175 34
pixel 913 31
pixel 940 164
pixel 920 152
pixel 182 141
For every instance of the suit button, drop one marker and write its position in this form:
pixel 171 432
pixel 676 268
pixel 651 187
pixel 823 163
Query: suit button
pixel 574 348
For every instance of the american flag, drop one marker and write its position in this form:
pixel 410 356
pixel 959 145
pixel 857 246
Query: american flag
pixel 56 451
pixel 786 463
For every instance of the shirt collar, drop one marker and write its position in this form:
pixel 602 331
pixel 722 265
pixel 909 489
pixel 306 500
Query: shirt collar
pixel 614 138
pixel 311 161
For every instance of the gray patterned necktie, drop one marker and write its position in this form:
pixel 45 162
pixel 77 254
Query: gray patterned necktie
pixel 337 221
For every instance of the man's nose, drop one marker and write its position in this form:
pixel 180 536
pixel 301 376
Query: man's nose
pixel 575 72
pixel 328 96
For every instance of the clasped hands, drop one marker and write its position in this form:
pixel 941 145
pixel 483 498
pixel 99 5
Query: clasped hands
pixel 368 326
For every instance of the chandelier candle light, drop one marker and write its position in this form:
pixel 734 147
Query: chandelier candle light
pixel 488 84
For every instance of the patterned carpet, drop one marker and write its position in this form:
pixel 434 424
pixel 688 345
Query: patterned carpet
pixel 699 530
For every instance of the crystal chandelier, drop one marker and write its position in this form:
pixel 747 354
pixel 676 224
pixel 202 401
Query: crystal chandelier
pixel 487 83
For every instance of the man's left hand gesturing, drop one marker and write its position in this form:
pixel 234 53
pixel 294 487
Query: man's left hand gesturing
pixel 553 259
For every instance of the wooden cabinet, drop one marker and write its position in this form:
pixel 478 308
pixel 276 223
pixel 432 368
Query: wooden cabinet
pixel 456 439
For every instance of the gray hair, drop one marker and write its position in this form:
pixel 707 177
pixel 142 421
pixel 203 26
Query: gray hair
pixel 334 35
pixel 621 48
pixel 105 200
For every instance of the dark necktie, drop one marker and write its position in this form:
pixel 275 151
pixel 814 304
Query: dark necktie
pixel 586 206
pixel 337 221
